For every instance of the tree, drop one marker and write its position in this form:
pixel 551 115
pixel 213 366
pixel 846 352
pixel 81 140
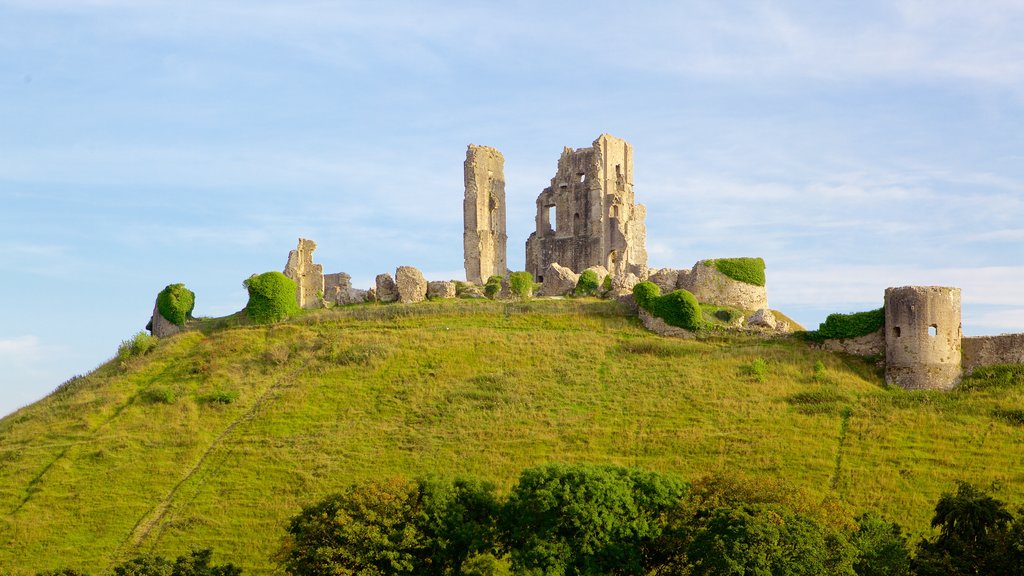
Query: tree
pixel 975 536
pixel 765 539
pixel 581 519
pixel 881 547
pixel 425 527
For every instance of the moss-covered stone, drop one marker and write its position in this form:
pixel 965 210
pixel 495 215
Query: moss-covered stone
pixel 175 303
pixel 271 297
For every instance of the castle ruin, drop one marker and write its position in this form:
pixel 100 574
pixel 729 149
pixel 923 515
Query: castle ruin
pixel 308 277
pixel 484 238
pixel 923 337
pixel 587 216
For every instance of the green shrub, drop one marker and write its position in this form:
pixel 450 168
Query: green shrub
pixel 587 284
pixel 678 308
pixel 521 284
pixel 271 297
pixel 158 395
pixel 848 325
pixel 995 376
pixel 748 270
pixel 219 397
pixel 607 284
pixel 644 293
pixel 1010 415
pixel 758 368
pixel 492 287
pixel 175 303
pixel 137 345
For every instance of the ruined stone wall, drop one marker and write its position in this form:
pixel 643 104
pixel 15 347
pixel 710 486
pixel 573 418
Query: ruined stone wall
pixel 868 345
pixel 922 337
pixel 587 217
pixel 712 287
pixel 484 237
pixel 990 350
pixel 308 277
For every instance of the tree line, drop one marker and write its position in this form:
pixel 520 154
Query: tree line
pixel 593 520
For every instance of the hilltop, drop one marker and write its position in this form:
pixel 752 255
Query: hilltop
pixel 221 433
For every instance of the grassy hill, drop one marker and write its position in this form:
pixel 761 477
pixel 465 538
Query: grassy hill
pixel 218 436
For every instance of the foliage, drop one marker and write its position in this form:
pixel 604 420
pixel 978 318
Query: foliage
pixel 644 293
pixel 587 284
pixel 196 563
pixel 881 547
pixel 393 526
pixel 848 325
pixel 758 369
pixel 606 285
pixel 219 397
pixel 747 270
pixel 766 539
pixel 583 519
pixel 994 377
pixel 1010 415
pixel 272 297
pixel 976 536
pixel 138 345
pixel 175 303
pixel 492 287
pixel 677 308
pixel 521 284
pixel 158 395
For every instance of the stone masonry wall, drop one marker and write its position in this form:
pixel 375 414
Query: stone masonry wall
pixel 712 287
pixel 484 236
pixel 308 277
pixel 989 350
pixel 587 217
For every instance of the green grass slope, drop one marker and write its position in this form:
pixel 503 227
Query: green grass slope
pixel 143 457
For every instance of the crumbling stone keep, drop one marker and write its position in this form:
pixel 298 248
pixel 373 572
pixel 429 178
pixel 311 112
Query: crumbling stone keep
pixel 587 216
pixel 308 277
pixel 922 337
pixel 484 237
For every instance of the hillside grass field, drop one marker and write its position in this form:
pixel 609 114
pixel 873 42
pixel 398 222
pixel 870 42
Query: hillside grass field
pixel 219 435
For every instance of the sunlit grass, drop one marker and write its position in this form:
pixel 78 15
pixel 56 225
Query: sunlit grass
pixel 138 458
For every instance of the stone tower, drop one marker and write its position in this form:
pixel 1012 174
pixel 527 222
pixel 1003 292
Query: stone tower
pixel 587 216
pixel 308 277
pixel 922 337
pixel 484 238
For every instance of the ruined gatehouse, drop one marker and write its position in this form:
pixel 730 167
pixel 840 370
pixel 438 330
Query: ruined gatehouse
pixel 587 216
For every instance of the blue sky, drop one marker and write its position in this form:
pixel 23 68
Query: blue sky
pixel 854 146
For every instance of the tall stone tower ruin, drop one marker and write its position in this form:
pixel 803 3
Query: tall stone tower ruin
pixel 308 277
pixel 484 238
pixel 922 337
pixel 587 216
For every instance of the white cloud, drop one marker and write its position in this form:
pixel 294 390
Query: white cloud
pixel 19 348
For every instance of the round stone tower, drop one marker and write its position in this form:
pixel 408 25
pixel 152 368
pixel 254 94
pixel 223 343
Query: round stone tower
pixel 922 337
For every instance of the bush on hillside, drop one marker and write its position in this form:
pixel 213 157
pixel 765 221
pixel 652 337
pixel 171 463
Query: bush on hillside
pixel 587 284
pixel 137 345
pixel 747 270
pixel 677 308
pixel 521 284
pixel 644 293
pixel 848 325
pixel 606 285
pixel 175 303
pixel 271 297
pixel 492 287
